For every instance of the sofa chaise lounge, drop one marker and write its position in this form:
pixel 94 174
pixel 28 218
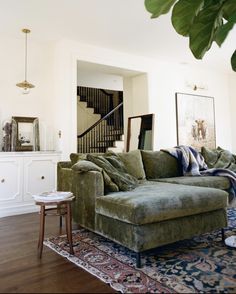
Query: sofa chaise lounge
pixel 162 208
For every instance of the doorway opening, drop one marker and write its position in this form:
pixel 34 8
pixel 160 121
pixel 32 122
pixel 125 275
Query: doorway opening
pixel 104 101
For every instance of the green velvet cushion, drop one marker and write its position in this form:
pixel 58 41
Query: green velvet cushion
pixel 219 158
pixel 163 201
pixel 86 166
pixel 115 161
pixel 133 163
pixel 75 157
pixel 200 181
pixel 109 185
pixel 159 164
pixel 122 179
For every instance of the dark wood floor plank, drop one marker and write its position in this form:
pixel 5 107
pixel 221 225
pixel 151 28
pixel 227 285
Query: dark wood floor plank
pixel 22 272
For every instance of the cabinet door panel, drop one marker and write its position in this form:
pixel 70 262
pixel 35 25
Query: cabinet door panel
pixel 39 176
pixel 10 179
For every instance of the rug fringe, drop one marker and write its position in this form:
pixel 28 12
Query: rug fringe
pixel 71 258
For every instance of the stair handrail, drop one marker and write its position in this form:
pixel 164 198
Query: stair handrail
pixel 102 90
pixel 106 93
pixel 100 120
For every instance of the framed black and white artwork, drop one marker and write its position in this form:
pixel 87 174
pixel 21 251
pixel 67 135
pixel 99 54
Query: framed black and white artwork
pixel 195 120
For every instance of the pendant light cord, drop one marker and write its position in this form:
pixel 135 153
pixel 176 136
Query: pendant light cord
pixel 26 56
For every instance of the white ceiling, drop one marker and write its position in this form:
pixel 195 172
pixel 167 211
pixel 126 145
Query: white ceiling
pixel 122 25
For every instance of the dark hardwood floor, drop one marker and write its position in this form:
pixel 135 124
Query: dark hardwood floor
pixel 22 272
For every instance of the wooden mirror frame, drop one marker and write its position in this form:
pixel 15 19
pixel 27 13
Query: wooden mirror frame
pixel 16 120
pixel 143 118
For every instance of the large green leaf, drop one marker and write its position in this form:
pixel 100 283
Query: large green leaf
pixel 233 61
pixel 203 29
pixel 229 8
pixel 212 2
pixel 224 30
pixel 158 7
pixel 183 15
pixel 201 20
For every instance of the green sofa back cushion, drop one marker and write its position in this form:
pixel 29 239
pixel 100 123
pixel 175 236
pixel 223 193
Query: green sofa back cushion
pixel 159 164
pixel 219 158
pixel 75 157
pixel 115 170
pixel 86 166
pixel 133 163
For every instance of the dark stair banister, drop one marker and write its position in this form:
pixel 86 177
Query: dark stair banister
pixel 96 98
pixel 90 140
pixel 100 120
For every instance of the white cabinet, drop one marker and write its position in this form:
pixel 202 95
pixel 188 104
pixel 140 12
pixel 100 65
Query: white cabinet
pixel 23 174
pixel 10 179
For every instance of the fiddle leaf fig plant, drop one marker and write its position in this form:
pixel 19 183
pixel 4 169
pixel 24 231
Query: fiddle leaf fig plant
pixel 202 21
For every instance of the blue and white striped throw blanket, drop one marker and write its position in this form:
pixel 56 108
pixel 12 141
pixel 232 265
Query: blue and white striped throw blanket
pixel 193 164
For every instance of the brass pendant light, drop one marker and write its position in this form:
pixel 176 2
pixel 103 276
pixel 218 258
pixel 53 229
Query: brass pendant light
pixel 25 85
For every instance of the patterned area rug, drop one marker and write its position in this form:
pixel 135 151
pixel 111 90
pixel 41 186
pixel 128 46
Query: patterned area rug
pixel 201 264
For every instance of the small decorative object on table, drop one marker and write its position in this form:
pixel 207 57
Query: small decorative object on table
pixel 52 196
pixel 61 202
pixel 231 241
pixel 6 139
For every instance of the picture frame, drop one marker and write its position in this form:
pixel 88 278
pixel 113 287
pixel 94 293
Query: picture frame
pixel 25 133
pixel 195 120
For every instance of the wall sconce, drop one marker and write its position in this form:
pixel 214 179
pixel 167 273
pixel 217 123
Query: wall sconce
pixel 196 87
pixel 25 85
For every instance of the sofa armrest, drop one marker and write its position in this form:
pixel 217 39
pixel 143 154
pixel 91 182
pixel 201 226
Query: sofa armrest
pixel 86 186
pixel 64 164
pixel 64 176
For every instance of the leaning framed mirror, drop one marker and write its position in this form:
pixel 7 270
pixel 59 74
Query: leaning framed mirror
pixel 140 132
pixel 25 133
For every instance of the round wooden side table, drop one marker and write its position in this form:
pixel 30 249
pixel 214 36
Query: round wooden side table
pixel 61 208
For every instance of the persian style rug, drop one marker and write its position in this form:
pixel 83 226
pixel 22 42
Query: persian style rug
pixel 202 264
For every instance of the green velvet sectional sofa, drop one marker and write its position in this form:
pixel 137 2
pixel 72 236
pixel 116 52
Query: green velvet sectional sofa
pixel 160 208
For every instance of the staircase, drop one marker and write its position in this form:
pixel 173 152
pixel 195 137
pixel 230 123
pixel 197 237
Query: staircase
pixel 108 131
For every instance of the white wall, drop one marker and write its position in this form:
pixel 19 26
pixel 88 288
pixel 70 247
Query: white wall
pixel 85 117
pixel 39 102
pixel 136 99
pixel 95 79
pixel 164 80
pixel 66 56
pixel 53 69
pixel 169 79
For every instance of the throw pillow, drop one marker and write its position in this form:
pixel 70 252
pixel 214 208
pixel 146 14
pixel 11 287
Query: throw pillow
pixel 219 158
pixel 210 156
pixel 109 185
pixel 160 164
pixel 75 157
pixel 122 179
pixel 113 158
pixel 133 163
pixel 86 166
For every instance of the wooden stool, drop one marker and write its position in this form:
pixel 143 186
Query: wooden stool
pixel 63 208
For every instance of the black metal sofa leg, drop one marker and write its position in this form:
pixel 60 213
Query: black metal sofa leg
pixel 138 259
pixel 223 234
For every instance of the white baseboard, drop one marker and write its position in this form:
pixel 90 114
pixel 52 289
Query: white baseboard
pixel 16 210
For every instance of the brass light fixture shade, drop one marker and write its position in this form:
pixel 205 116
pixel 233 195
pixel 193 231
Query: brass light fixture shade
pixel 25 85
